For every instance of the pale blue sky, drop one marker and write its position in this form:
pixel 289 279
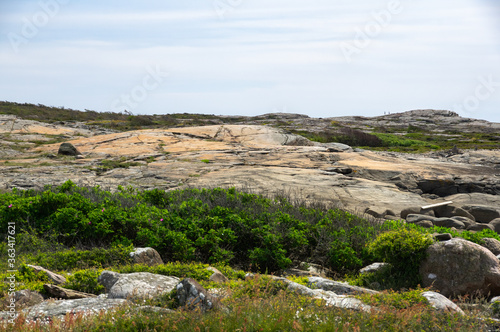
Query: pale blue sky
pixel 247 57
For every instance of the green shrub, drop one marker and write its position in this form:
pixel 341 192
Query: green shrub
pixel 85 281
pixel 73 259
pixel 404 249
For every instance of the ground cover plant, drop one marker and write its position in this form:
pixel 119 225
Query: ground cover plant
pixel 79 232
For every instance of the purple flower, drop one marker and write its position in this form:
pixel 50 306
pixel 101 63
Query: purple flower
pixel 90 222
pixel 161 219
pixel 102 210
pixel 10 206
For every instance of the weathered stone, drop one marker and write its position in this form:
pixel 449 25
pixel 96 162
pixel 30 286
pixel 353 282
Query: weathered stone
pixel 379 212
pixel 492 245
pixel 136 285
pixel 337 147
pixel 416 210
pixel 443 236
pixel 68 149
pixel 495 223
pixel 193 296
pixel 147 256
pixel 414 218
pixel 63 293
pixel 88 306
pixel 441 303
pixel 480 227
pixel 54 277
pixel 482 213
pixel 448 211
pixel 425 223
pixel 449 223
pixel 372 268
pixel 339 288
pixel 217 276
pixel 460 267
pixel 466 221
pixel 26 297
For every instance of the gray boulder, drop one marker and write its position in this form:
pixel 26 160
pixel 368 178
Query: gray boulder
pixel 448 211
pixel 460 267
pixel 442 303
pixel 26 297
pixel 60 308
pixel 68 149
pixel 480 227
pixel 466 221
pixel 379 212
pixel 136 285
pixel 482 213
pixel 147 256
pixel 416 210
pixel 372 268
pixel 495 223
pixel 449 223
pixel 414 218
pixel 193 296
pixel 339 288
pixel 425 223
pixel 492 245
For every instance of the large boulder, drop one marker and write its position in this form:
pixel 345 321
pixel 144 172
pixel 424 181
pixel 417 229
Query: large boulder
pixel 147 256
pixel 495 223
pixel 448 211
pixel 482 213
pixel 449 223
pixel 136 285
pixel 460 267
pixel 68 149
pixel 492 245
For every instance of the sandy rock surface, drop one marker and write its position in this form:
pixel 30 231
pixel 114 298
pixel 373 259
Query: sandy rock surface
pixel 258 158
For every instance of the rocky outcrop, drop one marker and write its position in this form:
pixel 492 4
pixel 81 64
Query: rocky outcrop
pixel 59 309
pixel 64 293
pixel 54 277
pixel 192 295
pixel 136 285
pixel 147 256
pixel 442 303
pixel 459 267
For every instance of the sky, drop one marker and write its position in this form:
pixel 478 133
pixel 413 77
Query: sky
pixel 322 58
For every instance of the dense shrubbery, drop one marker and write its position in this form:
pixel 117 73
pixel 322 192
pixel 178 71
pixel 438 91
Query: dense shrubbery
pixel 209 226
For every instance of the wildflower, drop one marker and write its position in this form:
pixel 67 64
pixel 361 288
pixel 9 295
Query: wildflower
pixel 161 219
pixel 10 206
pixel 102 210
pixel 90 222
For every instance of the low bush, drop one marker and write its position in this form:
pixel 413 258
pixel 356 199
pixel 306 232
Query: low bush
pixel 404 250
